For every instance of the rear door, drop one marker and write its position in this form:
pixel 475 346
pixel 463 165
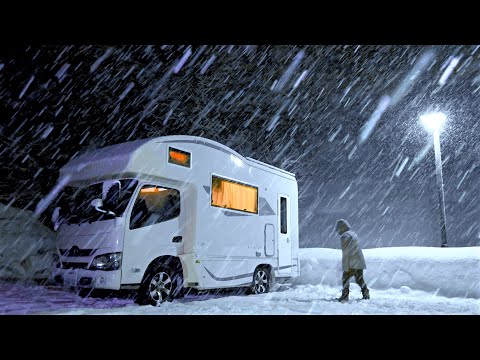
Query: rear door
pixel 284 235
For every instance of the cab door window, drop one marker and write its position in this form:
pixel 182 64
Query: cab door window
pixel 154 204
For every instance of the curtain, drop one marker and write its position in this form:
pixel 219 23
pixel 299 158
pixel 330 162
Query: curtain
pixel 231 195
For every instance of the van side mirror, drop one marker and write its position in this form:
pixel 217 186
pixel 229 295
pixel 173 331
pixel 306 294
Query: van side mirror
pixel 97 204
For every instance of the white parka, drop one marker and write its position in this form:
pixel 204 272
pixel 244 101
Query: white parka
pixel 352 255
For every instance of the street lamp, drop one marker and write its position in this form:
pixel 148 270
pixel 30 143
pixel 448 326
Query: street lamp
pixel 434 122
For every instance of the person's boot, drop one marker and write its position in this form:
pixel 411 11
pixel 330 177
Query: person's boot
pixel 344 297
pixel 366 294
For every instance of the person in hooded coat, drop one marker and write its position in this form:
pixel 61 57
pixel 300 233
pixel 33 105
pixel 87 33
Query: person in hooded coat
pixel 353 261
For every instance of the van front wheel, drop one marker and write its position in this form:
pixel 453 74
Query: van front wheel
pixel 261 281
pixel 161 284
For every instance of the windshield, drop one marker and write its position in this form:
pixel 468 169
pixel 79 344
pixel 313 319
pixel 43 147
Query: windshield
pixel 76 207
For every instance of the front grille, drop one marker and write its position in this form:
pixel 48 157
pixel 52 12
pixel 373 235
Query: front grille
pixel 75 251
pixel 73 265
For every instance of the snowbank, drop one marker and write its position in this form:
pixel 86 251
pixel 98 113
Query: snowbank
pixel 451 272
pixel 26 246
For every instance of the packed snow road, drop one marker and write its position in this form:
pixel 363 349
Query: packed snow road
pixel 295 300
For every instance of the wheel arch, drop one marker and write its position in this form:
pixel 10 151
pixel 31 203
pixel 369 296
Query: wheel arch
pixel 169 260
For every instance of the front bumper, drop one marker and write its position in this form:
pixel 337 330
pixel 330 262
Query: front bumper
pixel 87 278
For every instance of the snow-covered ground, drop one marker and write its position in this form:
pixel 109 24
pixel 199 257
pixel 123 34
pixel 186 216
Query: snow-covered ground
pixel 300 299
pixel 409 280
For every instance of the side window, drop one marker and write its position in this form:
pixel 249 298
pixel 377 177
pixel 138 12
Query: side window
pixel 154 205
pixel 234 195
pixel 283 215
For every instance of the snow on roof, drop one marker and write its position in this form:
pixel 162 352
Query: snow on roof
pixel 118 151
pixel 121 153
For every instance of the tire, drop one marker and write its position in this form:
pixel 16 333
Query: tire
pixel 261 281
pixel 161 283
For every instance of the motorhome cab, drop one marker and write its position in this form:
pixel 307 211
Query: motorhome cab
pixel 175 212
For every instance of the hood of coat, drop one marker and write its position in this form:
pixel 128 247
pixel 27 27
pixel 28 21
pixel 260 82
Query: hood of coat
pixel 342 226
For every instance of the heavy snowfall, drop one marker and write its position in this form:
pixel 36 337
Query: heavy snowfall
pixel 344 119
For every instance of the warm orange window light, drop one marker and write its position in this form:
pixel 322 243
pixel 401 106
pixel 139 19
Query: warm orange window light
pixel 234 195
pixel 178 157
pixel 151 190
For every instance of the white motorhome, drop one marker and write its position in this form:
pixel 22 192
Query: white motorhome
pixel 165 214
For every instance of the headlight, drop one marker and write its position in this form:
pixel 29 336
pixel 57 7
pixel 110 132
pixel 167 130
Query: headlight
pixel 107 262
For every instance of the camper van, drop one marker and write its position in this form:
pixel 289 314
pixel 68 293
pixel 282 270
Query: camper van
pixel 167 214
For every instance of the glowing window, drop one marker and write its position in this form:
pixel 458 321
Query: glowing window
pixel 179 157
pixel 154 205
pixel 234 195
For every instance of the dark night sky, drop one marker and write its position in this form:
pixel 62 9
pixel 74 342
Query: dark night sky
pixel 301 108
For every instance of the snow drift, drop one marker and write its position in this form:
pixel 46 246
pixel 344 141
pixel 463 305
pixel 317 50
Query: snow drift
pixel 451 272
pixel 27 247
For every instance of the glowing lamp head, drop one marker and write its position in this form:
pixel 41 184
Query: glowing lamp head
pixel 433 121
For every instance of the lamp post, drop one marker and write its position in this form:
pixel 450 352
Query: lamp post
pixel 434 122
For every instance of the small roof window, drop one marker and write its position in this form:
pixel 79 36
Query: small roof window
pixel 179 157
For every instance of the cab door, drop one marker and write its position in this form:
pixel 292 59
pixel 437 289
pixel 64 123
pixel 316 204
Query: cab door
pixel 152 229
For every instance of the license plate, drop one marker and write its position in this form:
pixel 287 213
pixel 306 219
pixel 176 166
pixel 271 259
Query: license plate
pixel 70 279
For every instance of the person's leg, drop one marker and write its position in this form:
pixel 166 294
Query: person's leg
pixel 346 285
pixel 361 282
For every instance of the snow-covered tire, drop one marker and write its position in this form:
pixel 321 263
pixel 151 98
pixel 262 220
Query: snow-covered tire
pixel 161 283
pixel 261 280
